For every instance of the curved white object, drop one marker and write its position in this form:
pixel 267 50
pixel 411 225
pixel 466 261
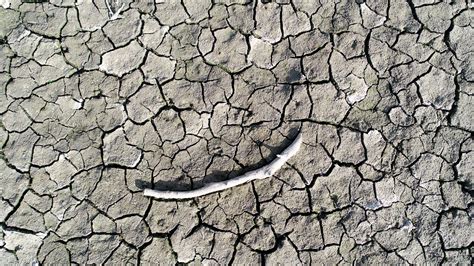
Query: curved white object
pixel 261 173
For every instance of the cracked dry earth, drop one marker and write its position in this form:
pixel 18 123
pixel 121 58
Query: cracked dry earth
pixel 101 100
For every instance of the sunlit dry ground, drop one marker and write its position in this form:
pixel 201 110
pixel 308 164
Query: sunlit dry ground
pixel 99 100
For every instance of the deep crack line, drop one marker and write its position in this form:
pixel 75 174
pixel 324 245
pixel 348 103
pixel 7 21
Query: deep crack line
pixel 261 173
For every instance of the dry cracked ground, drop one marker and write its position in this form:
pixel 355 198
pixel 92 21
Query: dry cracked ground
pixel 99 100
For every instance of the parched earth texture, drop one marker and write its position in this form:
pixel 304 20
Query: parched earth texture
pixel 99 100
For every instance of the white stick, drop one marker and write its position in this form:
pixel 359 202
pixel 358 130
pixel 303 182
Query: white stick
pixel 114 15
pixel 261 173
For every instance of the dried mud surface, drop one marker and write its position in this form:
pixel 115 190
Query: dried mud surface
pixel 99 100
